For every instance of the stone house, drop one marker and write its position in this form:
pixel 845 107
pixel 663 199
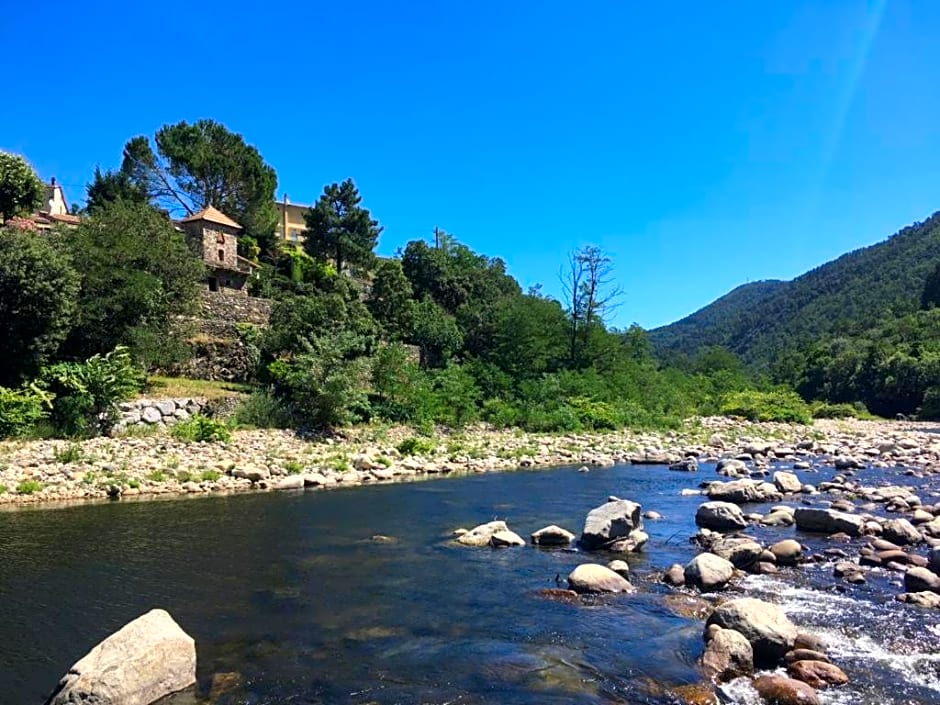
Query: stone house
pixel 213 237
pixel 54 209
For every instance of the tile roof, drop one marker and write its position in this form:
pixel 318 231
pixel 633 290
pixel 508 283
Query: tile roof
pixel 213 215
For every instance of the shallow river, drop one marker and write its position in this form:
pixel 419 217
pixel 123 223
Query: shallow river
pixel 291 592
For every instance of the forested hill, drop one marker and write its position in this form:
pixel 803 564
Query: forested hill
pixel 761 320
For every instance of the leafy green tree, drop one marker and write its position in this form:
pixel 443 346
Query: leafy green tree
pixel 21 191
pixel 390 300
pixel 340 229
pixel 930 297
pixel 435 333
pixel 530 337
pixel 110 187
pixel 202 164
pixel 137 276
pixel 38 288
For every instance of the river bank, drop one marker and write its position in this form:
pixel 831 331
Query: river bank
pixel 33 472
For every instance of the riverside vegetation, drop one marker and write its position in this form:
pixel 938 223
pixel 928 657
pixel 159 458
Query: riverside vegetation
pixel 437 337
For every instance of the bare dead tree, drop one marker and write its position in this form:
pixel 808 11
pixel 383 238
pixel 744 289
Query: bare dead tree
pixel 590 292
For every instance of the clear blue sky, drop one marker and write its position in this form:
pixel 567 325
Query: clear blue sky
pixel 702 144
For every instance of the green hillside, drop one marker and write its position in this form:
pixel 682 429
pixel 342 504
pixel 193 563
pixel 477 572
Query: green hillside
pixel 761 321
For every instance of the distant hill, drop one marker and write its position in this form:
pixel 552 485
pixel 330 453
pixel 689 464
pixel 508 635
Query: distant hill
pixel 760 320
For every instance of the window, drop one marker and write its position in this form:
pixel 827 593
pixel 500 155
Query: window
pixel 221 255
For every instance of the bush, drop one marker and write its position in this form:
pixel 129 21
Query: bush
pixel 28 487
pixel 825 410
pixel 930 407
pixel 72 453
pixel 201 428
pixel 416 446
pixel 262 410
pixel 783 406
pixel 501 413
pixel 22 409
pixel 596 415
pixel 88 393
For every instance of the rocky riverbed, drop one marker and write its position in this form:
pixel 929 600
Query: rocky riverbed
pixel 135 466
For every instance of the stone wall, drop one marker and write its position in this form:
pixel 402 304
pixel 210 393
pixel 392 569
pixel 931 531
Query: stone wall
pixel 157 412
pixel 218 306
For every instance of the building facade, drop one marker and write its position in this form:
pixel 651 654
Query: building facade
pixel 213 237
pixel 290 222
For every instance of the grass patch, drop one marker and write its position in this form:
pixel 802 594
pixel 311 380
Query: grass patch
pixel 209 475
pixel 185 476
pixel 183 387
pixel 28 487
pixel 416 446
pixel 201 428
pixel 339 463
pixel 3 489
pixel 292 467
pixel 157 476
pixel 72 453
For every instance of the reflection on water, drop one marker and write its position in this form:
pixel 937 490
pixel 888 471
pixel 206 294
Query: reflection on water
pixel 357 596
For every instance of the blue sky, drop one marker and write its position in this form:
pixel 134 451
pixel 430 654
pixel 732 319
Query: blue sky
pixel 702 144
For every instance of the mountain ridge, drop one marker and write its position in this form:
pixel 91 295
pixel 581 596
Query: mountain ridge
pixel 760 320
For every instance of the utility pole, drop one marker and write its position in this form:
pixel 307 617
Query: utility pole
pixel 437 238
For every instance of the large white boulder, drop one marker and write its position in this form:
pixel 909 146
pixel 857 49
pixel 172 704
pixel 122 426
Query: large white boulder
pixel 608 522
pixel 140 663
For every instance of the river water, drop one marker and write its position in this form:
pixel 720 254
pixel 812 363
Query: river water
pixel 292 592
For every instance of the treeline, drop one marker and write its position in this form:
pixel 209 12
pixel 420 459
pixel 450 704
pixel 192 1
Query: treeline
pixel 438 335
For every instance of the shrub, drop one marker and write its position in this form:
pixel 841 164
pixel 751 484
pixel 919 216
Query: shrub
pixel 596 415
pixel 262 410
pixel 292 467
pixel 824 410
pixel 209 475
pixel 501 413
pixel 87 393
pixel 72 453
pixel 22 409
pixel 157 476
pixel 28 487
pixel 3 489
pixel 415 446
pixel 199 428
pixel 781 405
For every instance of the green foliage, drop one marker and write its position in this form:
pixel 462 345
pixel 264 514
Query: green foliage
pixel 3 489
pixel 292 467
pixel 782 405
pixel 111 187
pixel 87 393
pixel 436 334
pixel 323 385
pixel 21 409
pixel 930 297
pixel 262 409
pixel 390 300
pixel 157 476
pixel 202 164
pixel 824 410
pixel 38 288
pixel 415 445
pixel 340 230
pixel 209 475
pixel 201 429
pixel 137 276
pixel 71 453
pixel 28 487
pixel 21 191
pixel 762 322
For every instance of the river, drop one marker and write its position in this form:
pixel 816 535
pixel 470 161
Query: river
pixel 293 592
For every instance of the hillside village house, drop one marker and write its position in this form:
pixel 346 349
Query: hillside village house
pixel 291 223
pixel 54 209
pixel 213 237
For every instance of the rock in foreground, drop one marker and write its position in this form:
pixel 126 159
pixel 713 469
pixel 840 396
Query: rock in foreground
pixel 482 534
pixel 140 663
pixel 765 625
pixel 780 690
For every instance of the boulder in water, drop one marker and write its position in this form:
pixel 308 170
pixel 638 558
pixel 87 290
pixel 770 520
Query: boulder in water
pixel 763 624
pixel 591 577
pixel 720 516
pixel 552 536
pixel 708 572
pixel 608 522
pixel 506 539
pixel 818 674
pixel 727 655
pixel 481 535
pixel 827 521
pixel 780 690
pixel 140 663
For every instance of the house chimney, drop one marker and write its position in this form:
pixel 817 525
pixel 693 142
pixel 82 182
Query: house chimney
pixel 53 181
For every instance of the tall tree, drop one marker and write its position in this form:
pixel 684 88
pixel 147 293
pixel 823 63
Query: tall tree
pixel 390 300
pixel 588 285
pixel 38 287
pixel 110 187
pixel 137 276
pixel 21 191
pixel 202 164
pixel 341 230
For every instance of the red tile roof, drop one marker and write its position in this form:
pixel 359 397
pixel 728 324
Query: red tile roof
pixel 213 215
